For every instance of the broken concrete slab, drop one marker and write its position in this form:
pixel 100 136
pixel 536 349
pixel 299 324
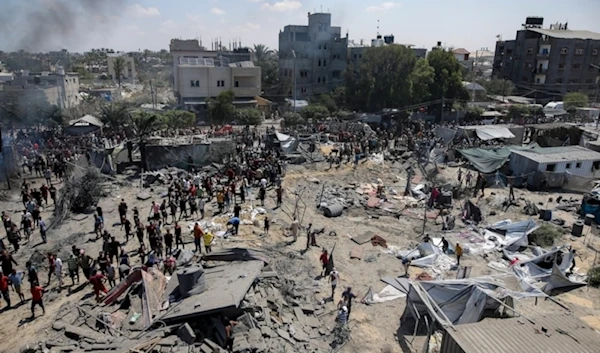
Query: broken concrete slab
pixel 313 322
pixel 357 253
pixel 299 335
pixel 186 333
pixel 363 238
pixel 267 332
pixel 143 196
pixel 81 333
pixel 300 315
pixel 285 335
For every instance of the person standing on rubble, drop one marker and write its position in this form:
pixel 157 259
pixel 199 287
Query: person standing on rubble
pixel 324 258
pixel 73 266
pixel 511 191
pixel 16 279
pixel 295 228
pixel 459 252
pixel 198 233
pixel 347 296
pixel 178 238
pixel 334 277
pixel 97 282
pixel 4 285
pixel 37 293
pixel 208 240
pixel 168 241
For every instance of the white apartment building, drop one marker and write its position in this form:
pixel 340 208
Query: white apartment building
pixel 128 72
pixel 199 74
pixel 58 88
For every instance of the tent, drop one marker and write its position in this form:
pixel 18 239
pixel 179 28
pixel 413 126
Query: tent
pixel 288 143
pixel 84 125
pixel 486 160
pixel 464 301
pixel 510 235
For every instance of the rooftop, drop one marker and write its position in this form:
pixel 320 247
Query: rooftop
pixel 566 33
pixel 226 287
pixel 461 51
pixel 552 333
pixel 559 154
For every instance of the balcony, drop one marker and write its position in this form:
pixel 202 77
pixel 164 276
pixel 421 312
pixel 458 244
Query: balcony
pixel 543 56
pixel 542 71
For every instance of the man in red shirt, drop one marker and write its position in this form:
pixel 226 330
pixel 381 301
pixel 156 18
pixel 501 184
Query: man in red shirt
pixel 36 298
pixel 324 261
pixel 96 281
pixel 4 288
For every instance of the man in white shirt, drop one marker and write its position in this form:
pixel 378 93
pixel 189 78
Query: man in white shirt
pixel 334 277
pixel 295 228
pixel 58 270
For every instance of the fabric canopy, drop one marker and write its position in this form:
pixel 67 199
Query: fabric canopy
pixel 288 143
pixel 515 234
pixel 493 132
pixel 486 160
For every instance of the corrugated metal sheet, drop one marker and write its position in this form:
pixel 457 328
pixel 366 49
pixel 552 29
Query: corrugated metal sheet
pixel 518 335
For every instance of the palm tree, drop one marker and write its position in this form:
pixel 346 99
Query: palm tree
pixel 115 116
pixel 261 53
pixel 118 67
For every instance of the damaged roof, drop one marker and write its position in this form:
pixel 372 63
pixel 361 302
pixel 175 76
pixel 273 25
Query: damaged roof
pixel 564 333
pixel 226 286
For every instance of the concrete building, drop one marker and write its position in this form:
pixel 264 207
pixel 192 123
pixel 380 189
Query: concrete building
pixel 314 56
pixel 54 88
pixel 463 56
pixel 556 59
pixel 128 73
pixel 199 74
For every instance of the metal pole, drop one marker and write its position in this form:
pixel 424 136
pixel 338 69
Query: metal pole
pixel 295 81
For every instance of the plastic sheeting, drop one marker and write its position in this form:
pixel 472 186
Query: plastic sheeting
pixel 493 132
pixel 510 235
pixel 486 160
pixel 446 134
pixel 288 143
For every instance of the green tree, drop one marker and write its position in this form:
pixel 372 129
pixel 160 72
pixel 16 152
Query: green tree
pixel 339 96
pixel 221 109
pixel 383 78
pixel 327 101
pixel 421 78
pixel 292 119
pixel 498 86
pixel 473 113
pixel 248 116
pixel 115 115
pixel 262 53
pixel 574 100
pixel 178 119
pixel 145 124
pixel 517 111
pixel 119 67
pixel 314 112
pixel 447 83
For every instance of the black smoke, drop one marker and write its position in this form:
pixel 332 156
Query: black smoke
pixel 43 25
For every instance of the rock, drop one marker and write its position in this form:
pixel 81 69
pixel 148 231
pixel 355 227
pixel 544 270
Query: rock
pixel 313 180
pixel 286 336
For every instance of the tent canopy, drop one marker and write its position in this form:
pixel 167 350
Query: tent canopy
pixel 86 121
pixel 492 132
pixel 486 160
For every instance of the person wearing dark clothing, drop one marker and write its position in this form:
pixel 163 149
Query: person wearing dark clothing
pixel 236 210
pixel 445 245
pixel 113 249
pixel 169 241
pixel 127 224
pixel 7 262
pixel 178 239
pixel 347 296
pixel 32 275
pixel 122 209
pixel 229 333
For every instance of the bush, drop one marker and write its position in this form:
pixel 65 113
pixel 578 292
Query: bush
pixel 82 190
pixel 594 277
pixel 545 235
pixel 293 119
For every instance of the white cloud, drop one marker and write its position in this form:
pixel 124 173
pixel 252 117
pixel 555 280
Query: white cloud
pixel 282 6
pixel 385 6
pixel 194 18
pixel 256 0
pixel 252 26
pixel 138 10
pixel 217 11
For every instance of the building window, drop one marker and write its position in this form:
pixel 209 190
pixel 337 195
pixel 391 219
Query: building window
pixel 551 167
pixel 529 51
pixel 527 65
pixel 579 51
pixel 564 51
pixel 220 83
pixel 320 27
pixel 194 83
pixel 589 80
pixel 576 66
pixel 559 80
pixel 336 74
pixel 319 46
pixel 324 79
pixel 578 165
pixel 197 83
pixel 319 62
pixel 236 84
pixel 355 56
pixel 561 66
pixel 568 166
pixel 594 52
pixel 509 51
pixel 303 90
pixel 574 81
pixel 324 62
pixel 596 165
pixel 525 79
pixel 325 47
pixel 319 79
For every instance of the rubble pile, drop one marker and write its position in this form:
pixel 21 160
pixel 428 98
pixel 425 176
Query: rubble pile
pixel 335 194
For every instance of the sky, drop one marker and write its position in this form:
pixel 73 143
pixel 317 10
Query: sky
pixel 129 25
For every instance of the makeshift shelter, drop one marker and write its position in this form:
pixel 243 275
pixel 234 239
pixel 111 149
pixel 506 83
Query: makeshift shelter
pixel 464 301
pixel 84 125
pixel 512 236
pixel 486 160
pixel 287 143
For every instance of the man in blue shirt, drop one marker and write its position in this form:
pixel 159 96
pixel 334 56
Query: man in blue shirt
pixel 235 222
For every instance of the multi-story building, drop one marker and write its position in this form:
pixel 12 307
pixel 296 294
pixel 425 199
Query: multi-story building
pixel 312 58
pixel 199 74
pixel 58 88
pixel 128 71
pixel 554 60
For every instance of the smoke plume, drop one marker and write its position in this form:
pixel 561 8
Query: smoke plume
pixel 43 25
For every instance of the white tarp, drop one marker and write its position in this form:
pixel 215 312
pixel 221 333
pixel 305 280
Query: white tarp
pixel 511 236
pixel 288 143
pixel 388 293
pixel 493 132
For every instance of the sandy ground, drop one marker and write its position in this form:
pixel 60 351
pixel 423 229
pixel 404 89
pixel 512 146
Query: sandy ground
pixel 374 328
